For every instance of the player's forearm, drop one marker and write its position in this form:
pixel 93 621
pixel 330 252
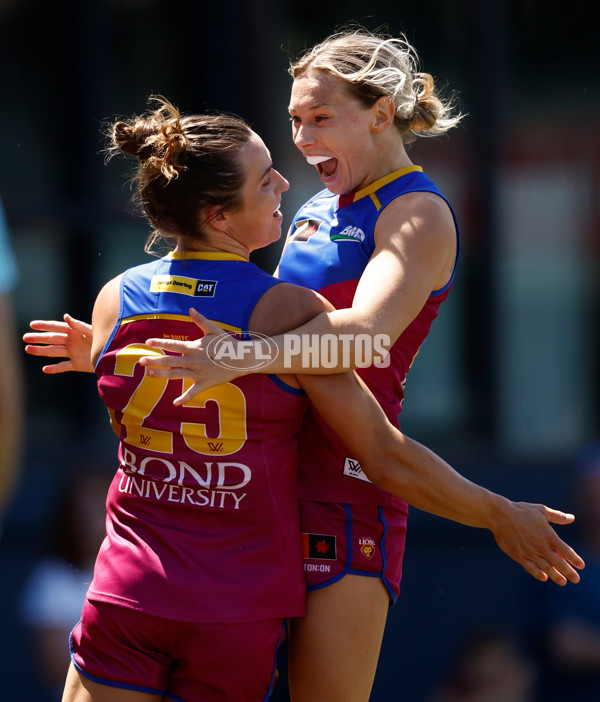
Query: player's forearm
pixel 411 471
pixel 332 342
pixel 392 460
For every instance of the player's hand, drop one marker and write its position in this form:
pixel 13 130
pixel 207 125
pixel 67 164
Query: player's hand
pixel 192 362
pixel 71 339
pixel 525 535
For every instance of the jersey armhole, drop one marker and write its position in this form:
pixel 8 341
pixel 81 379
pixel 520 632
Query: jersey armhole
pixel 443 289
pixel 285 386
pixel 117 323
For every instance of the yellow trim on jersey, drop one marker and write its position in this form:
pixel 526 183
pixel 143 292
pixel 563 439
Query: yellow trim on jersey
pixel 375 201
pixel 207 255
pixel 177 317
pixel 370 189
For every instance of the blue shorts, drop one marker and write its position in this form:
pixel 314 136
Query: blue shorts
pixel 182 661
pixel 340 539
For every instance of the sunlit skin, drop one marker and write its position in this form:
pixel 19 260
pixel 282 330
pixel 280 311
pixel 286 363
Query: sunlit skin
pixel 328 121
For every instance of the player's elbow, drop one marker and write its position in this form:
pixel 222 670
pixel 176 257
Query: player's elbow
pixel 380 471
pixel 375 472
pixel 386 466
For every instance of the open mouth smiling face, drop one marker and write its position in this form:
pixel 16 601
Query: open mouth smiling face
pixel 326 166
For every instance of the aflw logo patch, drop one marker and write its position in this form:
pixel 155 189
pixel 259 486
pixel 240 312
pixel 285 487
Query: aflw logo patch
pixel 353 470
pixel 319 547
pixel 183 285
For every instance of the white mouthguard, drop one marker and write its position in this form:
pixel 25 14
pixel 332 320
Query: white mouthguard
pixel 313 160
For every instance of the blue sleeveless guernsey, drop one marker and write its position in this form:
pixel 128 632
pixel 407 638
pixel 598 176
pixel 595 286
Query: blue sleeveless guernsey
pixel 330 242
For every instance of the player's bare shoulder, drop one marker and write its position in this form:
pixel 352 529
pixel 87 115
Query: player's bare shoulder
pixel 417 213
pixel 105 314
pixel 420 227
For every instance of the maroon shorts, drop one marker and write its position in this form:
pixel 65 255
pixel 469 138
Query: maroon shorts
pixel 184 661
pixel 339 539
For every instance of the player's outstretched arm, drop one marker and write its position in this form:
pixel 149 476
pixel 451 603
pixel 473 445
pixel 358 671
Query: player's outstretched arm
pixel 70 339
pixel 521 529
pixel 411 471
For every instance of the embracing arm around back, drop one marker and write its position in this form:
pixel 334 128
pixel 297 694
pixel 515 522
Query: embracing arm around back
pixel 390 459
pixel 415 254
pixel 406 468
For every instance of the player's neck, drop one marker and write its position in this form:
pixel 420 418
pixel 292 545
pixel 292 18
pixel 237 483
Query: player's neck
pixel 216 242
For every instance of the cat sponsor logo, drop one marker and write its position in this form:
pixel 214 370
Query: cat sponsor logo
pixel 183 285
